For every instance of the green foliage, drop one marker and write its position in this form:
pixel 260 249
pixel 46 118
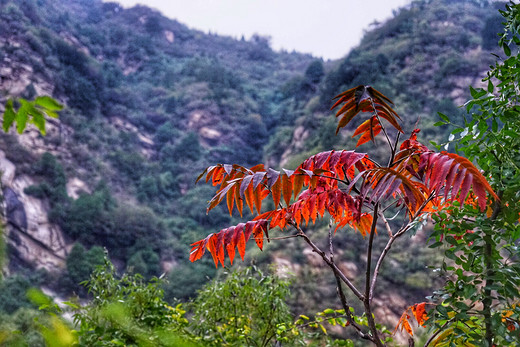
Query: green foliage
pixel 81 263
pixel 132 228
pixel 129 311
pixel 12 293
pixel 248 308
pixel 481 268
pixel 21 328
pixel 145 262
pixel 55 181
pixel 32 112
pixel 315 71
pixel 129 164
pixel 87 216
pixel 185 279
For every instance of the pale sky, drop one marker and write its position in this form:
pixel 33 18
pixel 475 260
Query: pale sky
pixel 325 28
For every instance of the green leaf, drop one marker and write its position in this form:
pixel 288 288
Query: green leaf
pixel 38 118
pixel 473 92
pixel 443 311
pixel 490 86
pixel 443 117
pixel 9 115
pixel 21 119
pixel 435 245
pixel 494 125
pixel 507 50
pixel 48 103
pixel 39 121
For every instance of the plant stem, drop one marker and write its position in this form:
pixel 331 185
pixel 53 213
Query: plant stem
pixel 368 292
pixel 341 294
pixel 490 273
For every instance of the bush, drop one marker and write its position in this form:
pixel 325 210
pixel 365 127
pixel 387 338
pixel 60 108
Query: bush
pixel 12 293
pixel 129 311
pixel 80 264
pixel 246 308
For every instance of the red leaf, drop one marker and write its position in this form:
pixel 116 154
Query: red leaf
pixel 229 238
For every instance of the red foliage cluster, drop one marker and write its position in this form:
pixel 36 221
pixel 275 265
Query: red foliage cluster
pixel 345 184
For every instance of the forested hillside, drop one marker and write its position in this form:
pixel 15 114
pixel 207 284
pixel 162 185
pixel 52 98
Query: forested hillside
pixel 149 103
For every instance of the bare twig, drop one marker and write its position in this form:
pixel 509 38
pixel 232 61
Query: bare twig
pixel 392 239
pixel 368 288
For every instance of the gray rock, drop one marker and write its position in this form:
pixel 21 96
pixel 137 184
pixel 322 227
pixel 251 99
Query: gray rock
pixel 15 210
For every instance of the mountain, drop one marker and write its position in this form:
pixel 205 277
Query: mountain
pixel 147 99
pixel 151 103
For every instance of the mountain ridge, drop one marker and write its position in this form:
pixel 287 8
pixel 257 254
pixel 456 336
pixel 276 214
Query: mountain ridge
pixel 151 103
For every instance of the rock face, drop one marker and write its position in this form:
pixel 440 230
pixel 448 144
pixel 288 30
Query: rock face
pixel 33 240
pixel 14 210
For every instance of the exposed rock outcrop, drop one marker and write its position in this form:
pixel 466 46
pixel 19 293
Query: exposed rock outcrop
pixel 33 239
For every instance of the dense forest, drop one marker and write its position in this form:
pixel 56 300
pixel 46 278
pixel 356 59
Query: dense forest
pixel 150 103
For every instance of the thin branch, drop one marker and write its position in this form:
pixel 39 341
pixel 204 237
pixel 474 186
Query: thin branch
pixel 368 275
pixel 348 314
pixel 392 157
pixel 387 225
pixel 334 178
pixel 277 238
pixel 390 242
pixel 341 294
pixel 333 266
pixel 368 292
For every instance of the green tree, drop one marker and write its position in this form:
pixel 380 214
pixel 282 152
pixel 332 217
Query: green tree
pixel 247 309
pixel 81 263
pixel 315 72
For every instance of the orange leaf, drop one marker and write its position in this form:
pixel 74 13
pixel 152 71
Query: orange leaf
pixel 419 312
pixel 298 180
pixel 230 198
pixel 238 199
pixel 276 191
pixel 404 323
pixel 249 195
pixel 286 189
pixel 407 327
